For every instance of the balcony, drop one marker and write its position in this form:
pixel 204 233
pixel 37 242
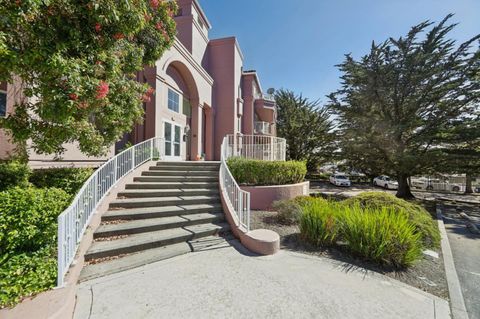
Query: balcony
pixel 263 128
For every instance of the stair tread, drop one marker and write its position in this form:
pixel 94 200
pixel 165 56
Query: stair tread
pixel 164 199
pixel 144 210
pixel 149 256
pixel 185 191
pixel 186 232
pixel 158 221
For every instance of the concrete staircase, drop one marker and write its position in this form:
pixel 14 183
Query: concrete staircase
pixel 171 209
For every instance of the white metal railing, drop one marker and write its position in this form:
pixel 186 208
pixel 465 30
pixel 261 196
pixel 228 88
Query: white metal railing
pixel 245 146
pixel 268 97
pixel 73 222
pixel 262 127
pixel 265 148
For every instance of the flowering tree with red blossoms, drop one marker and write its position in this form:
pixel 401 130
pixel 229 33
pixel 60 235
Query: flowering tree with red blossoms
pixel 77 61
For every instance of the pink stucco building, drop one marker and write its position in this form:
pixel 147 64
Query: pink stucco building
pixel 201 94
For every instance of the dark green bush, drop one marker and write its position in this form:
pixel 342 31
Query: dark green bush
pixel 28 235
pixel 13 173
pixel 258 173
pixel 69 179
pixel 424 224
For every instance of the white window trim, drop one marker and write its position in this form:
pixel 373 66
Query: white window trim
pixel 6 102
pixel 180 100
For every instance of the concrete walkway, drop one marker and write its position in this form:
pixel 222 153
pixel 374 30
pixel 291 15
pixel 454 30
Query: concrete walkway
pixel 227 282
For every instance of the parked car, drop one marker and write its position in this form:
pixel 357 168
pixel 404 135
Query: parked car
pixel 340 180
pixel 385 182
pixel 430 184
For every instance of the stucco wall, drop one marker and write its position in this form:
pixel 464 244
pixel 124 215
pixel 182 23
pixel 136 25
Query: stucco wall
pixel 262 197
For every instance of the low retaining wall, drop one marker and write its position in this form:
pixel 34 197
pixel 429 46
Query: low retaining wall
pixel 262 197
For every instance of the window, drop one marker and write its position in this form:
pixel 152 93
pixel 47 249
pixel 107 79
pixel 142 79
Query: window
pixel 3 103
pixel 173 101
pixel 187 108
pixel 200 22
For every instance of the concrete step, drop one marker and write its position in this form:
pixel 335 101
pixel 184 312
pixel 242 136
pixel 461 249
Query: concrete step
pixel 150 256
pixel 184 168
pixel 154 224
pixel 164 201
pixel 176 179
pixel 155 212
pixel 171 185
pixel 181 173
pixel 168 192
pixel 190 164
pixel 139 242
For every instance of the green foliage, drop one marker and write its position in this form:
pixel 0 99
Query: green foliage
pixel 13 173
pixel 305 126
pixel 421 219
pixel 256 172
pixel 383 236
pixel 69 179
pixel 319 223
pixel 81 73
pixel 397 102
pixel 26 274
pixel 28 218
pixel 28 235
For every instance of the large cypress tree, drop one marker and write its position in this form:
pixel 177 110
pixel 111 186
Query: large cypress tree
pixel 396 102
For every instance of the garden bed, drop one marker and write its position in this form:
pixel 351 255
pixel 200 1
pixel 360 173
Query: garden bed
pixel 426 274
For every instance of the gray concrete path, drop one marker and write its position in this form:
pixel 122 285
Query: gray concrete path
pixel 466 253
pixel 230 283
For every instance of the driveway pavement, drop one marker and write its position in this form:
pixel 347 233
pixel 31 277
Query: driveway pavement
pixel 465 247
pixel 228 282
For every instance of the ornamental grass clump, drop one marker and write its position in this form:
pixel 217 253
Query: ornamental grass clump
pixel 384 236
pixel 319 222
pixel 424 224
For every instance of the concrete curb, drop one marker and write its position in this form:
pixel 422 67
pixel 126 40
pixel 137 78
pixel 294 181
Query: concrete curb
pixel 464 201
pixel 457 303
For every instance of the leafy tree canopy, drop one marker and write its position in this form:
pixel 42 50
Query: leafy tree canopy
pixel 397 102
pixel 77 62
pixel 305 126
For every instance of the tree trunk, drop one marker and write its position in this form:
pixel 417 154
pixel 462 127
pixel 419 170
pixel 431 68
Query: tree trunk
pixel 468 184
pixel 403 187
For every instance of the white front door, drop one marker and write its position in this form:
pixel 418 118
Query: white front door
pixel 173 136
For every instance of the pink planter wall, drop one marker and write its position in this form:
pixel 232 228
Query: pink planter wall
pixel 262 197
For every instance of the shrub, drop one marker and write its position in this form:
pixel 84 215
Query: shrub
pixel 69 179
pixel 256 172
pixel 26 274
pixel 28 234
pixel 289 211
pixel 424 224
pixel 319 222
pixel 13 173
pixel 384 236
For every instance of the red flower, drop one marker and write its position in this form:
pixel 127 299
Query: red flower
pixel 82 105
pixel 148 17
pixel 98 27
pixel 73 96
pixel 146 98
pixel 102 90
pixel 170 13
pixel 154 4
pixel 118 36
pixel 150 91
pixel 159 26
pixel 98 62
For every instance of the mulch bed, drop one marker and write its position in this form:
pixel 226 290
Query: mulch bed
pixel 427 274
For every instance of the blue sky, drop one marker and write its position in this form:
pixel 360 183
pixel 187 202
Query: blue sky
pixel 295 44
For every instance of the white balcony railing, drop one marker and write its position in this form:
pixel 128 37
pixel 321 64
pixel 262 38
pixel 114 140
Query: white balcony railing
pixel 268 97
pixel 251 147
pixel 73 222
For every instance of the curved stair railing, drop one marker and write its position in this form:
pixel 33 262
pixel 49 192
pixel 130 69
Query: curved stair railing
pixel 73 222
pixel 267 148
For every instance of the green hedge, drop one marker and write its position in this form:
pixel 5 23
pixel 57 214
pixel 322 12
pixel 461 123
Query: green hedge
pixel 70 179
pixel 13 173
pixel 261 173
pixel 28 235
pixel 424 224
pixel 385 236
